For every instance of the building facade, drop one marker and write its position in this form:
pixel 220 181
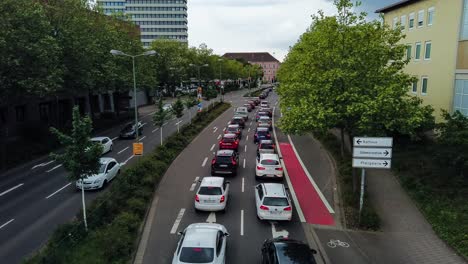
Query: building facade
pixel 437 47
pixel 269 64
pixel 157 19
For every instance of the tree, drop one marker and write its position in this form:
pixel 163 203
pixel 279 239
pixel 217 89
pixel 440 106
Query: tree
pixel 80 157
pixel 189 103
pixel 161 116
pixel 178 111
pixel 346 73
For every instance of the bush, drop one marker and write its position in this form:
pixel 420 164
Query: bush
pixel 255 93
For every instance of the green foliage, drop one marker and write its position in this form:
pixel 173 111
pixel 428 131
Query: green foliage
pixel 210 93
pixel 347 73
pixel 190 102
pixel 178 108
pixel 80 157
pixel 161 115
pixel 255 93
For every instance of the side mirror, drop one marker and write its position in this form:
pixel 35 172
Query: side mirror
pixel 228 182
pixel 180 233
pixel 226 234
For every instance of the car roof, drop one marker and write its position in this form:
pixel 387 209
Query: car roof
pixel 212 181
pixel 293 251
pixel 200 235
pixel 264 117
pixel 234 125
pixel 229 135
pixel 262 129
pixel 274 189
pixel 98 138
pixel 225 152
pixel 266 141
pixel 262 112
pixel 269 156
pixel 238 117
pixel 105 160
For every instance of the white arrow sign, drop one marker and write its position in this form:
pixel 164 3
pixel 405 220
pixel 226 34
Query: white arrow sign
pixel 211 218
pixel 373 142
pixel 372 163
pixel 372 152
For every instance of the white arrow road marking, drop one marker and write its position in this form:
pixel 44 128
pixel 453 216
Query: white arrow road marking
pixel 2 226
pixel 177 221
pixel 11 189
pixel 224 129
pixel 275 233
pixel 242 222
pixel 54 193
pixel 194 184
pixel 155 130
pixel 142 138
pixel 42 164
pixel 211 218
pixel 54 168
pixel 212 147
pixel 125 162
pixel 250 123
pixel 122 150
pixel 204 162
pixel 114 138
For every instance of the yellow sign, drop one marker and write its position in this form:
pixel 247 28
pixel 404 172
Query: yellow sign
pixel 137 149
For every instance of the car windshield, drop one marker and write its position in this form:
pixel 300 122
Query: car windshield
pixel 232 129
pixel 223 159
pixel 275 201
pixel 229 139
pixel 294 253
pixel 196 255
pixel 210 190
pixel 267 146
pixel 269 162
pixel 102 168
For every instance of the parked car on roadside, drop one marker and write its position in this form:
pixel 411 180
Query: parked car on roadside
pixel 108 170
pixel 105 142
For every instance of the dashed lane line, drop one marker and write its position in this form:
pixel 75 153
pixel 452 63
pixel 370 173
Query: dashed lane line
pixel 113 139
pixel 56 167
pixel 11 189
pixel 155 130
pixel 204 162
pixel 177 221
pixel 142 138
pixel 242 223
pixel 123 150
pixel 212 147
pixel 54 193
pixel 5 224
pixel 42 164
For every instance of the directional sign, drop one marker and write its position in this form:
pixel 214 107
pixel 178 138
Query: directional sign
pixel 381 153
pixel 373 142
pixel 372 163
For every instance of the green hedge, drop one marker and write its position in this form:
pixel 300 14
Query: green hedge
pixel 115 216
pixel 255 93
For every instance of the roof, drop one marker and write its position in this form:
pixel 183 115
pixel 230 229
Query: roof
pixel 234 125
pixel 105 160
pixel 199 235
pixel 274 189
pixel 396 5
pixel 251 56
pixel 212 181
pixel 266 141
pixel 229 135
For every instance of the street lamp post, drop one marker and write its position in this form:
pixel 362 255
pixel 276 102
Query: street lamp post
pixel 221 88
pixel 147 53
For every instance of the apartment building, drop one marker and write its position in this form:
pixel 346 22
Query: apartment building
pixel 269 64
pixel 437 47
pixel 157 18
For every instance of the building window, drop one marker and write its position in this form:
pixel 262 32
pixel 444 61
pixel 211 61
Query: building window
pixel 411 21
pixel 408 52
pixel 415 87
pixel 417 55
pixel 403 22
pixel 430 16
pixel 424 81
pixel 427 51
pixel 20 115
pixel 395 22
pixel 460 100
pixel 420 18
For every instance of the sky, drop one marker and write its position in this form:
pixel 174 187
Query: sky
pixel 257 25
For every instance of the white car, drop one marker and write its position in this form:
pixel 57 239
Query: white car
pixel 105 142
pixel 109 169
pixel 268 166
pixel 212 195
pixel 167 107
pixel 264 104
pixel 272 202
pixel 202 243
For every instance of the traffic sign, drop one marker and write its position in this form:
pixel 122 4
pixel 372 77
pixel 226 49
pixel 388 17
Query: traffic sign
pixel 372 152
pixel 373 142
pixel 137 149
pixel 372 163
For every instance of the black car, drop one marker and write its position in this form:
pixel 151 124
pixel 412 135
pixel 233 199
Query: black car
pixel 239 121
pixel 261 133
pixel 287 251
pixel 129 130
pixel 226 161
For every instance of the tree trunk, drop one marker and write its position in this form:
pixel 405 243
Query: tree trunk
pixel 84 205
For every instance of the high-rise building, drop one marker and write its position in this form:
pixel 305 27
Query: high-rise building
pixel 436 37
pixel 158 19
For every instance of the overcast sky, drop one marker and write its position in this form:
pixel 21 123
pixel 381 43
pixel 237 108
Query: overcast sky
pixel 257 25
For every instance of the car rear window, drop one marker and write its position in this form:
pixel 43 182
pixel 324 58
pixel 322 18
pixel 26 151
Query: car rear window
pixel 210 190
pixel 269 162
pixel 275 201
pixel 262 132
pixel 266 146
pixel 229 139
pixel 294 253
pixel 196 255
pixel 223 159
pixel 232 129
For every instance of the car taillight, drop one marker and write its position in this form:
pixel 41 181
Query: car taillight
pixel 260 168
pixel 288 208
pixel 222 199
pixel 280 169
pixel 268 136
pixel 213 161
pixel 197 199
pixel 256 134
pixel 220 141
pixel 234 162
pixel 262 207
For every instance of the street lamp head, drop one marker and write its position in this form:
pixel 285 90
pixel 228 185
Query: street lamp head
pixel 117 53
pixel 150 53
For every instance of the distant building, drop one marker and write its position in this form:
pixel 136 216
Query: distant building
pixel 437 46
pixel 158 19
pixel 269 64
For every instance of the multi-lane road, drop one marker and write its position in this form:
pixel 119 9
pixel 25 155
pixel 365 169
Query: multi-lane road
pixel 36 197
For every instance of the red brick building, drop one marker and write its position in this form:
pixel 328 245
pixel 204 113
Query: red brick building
pixel 269 64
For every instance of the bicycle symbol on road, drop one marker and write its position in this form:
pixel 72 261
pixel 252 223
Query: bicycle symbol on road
pixel 333 243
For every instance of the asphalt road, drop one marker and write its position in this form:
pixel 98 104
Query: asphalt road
pixel 175 199
pixel 35 198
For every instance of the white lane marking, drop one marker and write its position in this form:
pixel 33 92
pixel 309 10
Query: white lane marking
pixel 288 181
pixel 228 123
pixel 2 226
pixel 125 162
pixel 155 130
pixel 317 189
pixel 244 164
pixel 212 147
pixel 114 138
pixel 143 137
pixel 219 136
pixel 211 218
pixel 194 184
pixel 11 189
pixel 248 130
pixel 177 221
pixel 54 168
pixel 224 129
pixel 164 124
pixel 215 129
pixel 245 148
pixel 247 138
pixel 250 123
pixel 242 223
pixel 284 233
pixel 123 150
pixel 54 193
pixel 204 162
pixel 177 123
pixel 243 183
pixel 42 164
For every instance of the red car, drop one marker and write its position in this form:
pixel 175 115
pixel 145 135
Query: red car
pixel 229 141
pixel 252 103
